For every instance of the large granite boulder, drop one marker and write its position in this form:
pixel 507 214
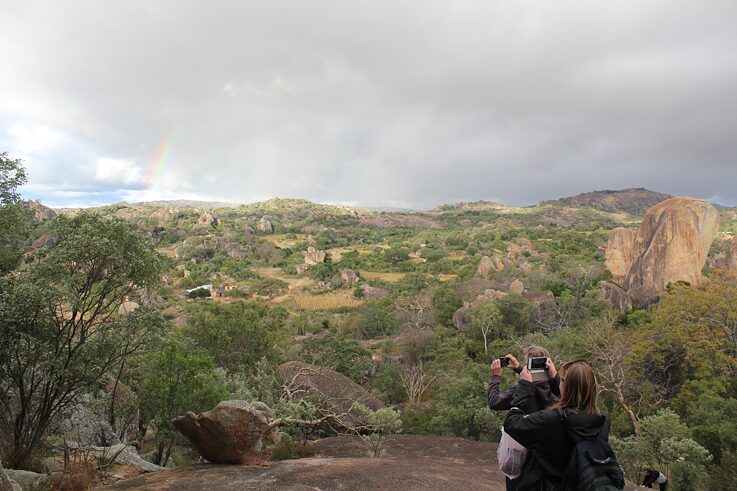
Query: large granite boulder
pixel 460 317
pixel 314 256
pixel 5 483
pixel 27 481
pixel 616 296
pixel 620 252
pixel 46 241
pixel 126 455
pixel 672 244
pixel 333 391
pixel 229 433
pixel 349 276
pixel 486 265
pixel 517 287
pixel 265 226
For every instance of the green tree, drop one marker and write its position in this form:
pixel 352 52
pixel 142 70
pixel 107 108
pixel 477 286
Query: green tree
pixel 15 218
pixel 60 318
pixel 237 335
pixel 177 379
pixel 342 355
pixel 380 424
pixel 485 322
pixel 516 312
pixel 445 302
pixel 379 318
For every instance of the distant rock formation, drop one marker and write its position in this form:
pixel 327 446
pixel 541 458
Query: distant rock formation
pixel 265 226
pixel 332 389
pixel 41 212
pixel 349 276
pixel 313 256
pixel 671 245
pixel 635 201
pixel 229 432
pixel 517 287
pixel 207 218
pixel 373 292
pixel 486 265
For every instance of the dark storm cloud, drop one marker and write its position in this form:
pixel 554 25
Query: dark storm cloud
pixel 395 103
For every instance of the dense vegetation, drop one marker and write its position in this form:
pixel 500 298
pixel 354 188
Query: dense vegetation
pixel 667 373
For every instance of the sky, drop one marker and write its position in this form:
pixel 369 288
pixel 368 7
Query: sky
pixel 369 103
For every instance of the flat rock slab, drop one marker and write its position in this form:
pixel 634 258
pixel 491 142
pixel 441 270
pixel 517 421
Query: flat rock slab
pixel 412 462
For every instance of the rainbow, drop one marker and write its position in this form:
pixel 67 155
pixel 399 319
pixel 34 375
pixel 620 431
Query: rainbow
pixel 163 151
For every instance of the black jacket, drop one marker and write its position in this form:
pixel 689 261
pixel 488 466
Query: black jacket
pixel 546 394
pixel 546 436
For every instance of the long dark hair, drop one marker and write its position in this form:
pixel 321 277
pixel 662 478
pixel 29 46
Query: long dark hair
pixel 578 388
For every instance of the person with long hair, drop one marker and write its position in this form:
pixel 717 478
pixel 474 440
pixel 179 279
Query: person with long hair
pixel 547 434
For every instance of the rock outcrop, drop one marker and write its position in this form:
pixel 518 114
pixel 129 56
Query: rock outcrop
pixel 314 256
pixel 127 455
pixel 41 212
pixel 26 480
pixel 207 218
pixel 373 292
pixel 333 390
pixel 5 483
pixel 265 226
pixel 517 287
pixel 486 265
pixel 620 252
pixel 47 241
pixel 349 276
pixel 616 296
pixel 672 244
pixel 127 307
pixel 229 432
pixel 460 316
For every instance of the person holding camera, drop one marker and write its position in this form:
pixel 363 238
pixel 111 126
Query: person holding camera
pixel 547 383
pixel 552 435
pixel 547 388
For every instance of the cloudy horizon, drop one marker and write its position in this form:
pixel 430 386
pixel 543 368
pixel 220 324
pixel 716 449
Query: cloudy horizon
pixel 405 104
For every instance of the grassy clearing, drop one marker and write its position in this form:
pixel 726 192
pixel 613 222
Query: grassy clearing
pixel 388 277
pixel 280 240
pixel 336 253
pixel 328 301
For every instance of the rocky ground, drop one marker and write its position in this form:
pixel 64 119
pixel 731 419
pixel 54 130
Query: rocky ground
pixel 411 462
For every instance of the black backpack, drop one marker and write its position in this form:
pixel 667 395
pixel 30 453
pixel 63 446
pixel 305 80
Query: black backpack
pixel 593 465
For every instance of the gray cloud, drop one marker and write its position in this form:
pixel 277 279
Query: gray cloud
pixel 406 103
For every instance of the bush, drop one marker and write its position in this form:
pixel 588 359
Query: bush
pixel 379 318
pixel 199 293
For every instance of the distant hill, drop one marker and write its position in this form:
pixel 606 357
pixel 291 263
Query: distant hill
pixel 469 205
pixel 635 201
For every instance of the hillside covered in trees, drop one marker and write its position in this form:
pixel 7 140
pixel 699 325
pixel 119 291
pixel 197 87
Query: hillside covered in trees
pixel 116 320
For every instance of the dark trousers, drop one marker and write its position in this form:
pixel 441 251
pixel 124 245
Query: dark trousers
pixel 511 484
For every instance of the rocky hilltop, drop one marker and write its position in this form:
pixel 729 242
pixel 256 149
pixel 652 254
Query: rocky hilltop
pixel 634 201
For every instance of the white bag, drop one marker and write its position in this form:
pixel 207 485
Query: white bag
pixel 511 456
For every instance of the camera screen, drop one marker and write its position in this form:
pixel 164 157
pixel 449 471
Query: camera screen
pixel 504 362
pixel 537 363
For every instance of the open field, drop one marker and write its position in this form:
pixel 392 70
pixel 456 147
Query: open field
pixel 281 240
pixel 328 301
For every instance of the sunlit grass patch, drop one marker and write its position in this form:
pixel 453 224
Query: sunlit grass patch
pixel 328 301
